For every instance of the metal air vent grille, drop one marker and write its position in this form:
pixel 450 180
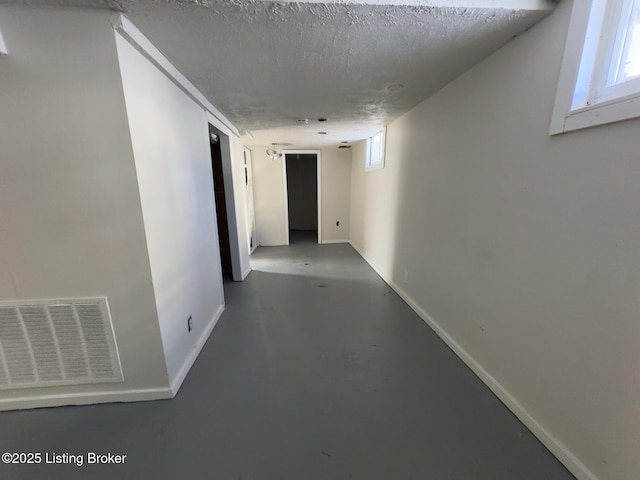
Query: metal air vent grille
pixel 57 342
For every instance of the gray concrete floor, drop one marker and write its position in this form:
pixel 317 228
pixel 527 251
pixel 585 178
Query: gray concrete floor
pixel 316 370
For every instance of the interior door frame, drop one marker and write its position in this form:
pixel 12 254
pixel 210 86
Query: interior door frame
pixel 225 138
pixel 251 209
pixel 317 153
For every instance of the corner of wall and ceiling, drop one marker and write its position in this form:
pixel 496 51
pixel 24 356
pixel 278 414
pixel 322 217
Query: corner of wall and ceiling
pixel 123 26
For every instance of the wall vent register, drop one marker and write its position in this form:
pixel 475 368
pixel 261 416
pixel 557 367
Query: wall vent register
pixel 57 342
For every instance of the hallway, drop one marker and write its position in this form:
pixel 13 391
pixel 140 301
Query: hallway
pixel 316 370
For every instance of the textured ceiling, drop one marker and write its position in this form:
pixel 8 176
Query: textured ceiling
pixel 264 64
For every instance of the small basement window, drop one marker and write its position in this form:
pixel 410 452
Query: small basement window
pixel 600 77
pixel 375 152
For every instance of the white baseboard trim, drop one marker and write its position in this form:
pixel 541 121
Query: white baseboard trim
pixel 336 241
pixel 134 395
pixel 85 398
pixel 555 446
pixel 176 383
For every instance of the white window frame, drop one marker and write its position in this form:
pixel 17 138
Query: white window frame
pixel 584 97
pixel 375 157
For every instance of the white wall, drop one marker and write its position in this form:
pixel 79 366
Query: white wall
pixel 241 211
pixel 70 218
pixel 522 248
pixel 269 196
pixel 336 187
pixel 250 220
pixel 170 140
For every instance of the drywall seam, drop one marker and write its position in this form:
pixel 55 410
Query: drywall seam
pixel 86 398
pixel 555 446
pixel 129 31
pixel 176 382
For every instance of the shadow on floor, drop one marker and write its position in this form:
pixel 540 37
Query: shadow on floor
pixel 316 371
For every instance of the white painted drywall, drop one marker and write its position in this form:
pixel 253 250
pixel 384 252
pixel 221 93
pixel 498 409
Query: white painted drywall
pixel 269 194
pixel 237 216
pixel 70 218
pixel 336 185
pixel 269 198
pixel 170 138
pixel 251 213
pixel 521 247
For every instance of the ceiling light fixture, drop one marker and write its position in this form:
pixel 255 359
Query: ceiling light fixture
pixel 322 119
pixel 322 133
pixel 274 154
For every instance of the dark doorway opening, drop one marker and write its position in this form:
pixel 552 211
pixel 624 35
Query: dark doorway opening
pixel 302 196
pixel 221 205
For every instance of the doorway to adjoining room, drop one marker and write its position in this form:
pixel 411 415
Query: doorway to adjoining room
pixel 215 141
pixel 302 196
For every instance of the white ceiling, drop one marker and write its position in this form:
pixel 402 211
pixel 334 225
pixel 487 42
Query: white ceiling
pixel 264 64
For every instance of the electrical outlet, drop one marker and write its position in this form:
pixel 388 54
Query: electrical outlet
pixel 189 323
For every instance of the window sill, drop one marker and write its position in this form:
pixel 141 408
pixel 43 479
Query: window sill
pixel 578 65
pixel 602 113
pixel 373 168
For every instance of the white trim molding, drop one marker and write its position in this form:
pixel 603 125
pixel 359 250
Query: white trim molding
pixel 130 32
pixel 176 382
pixel 371 164
pixel 84 398
pixel 285 200
pixel 577 104
pixel 555 446
pixel 318 154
